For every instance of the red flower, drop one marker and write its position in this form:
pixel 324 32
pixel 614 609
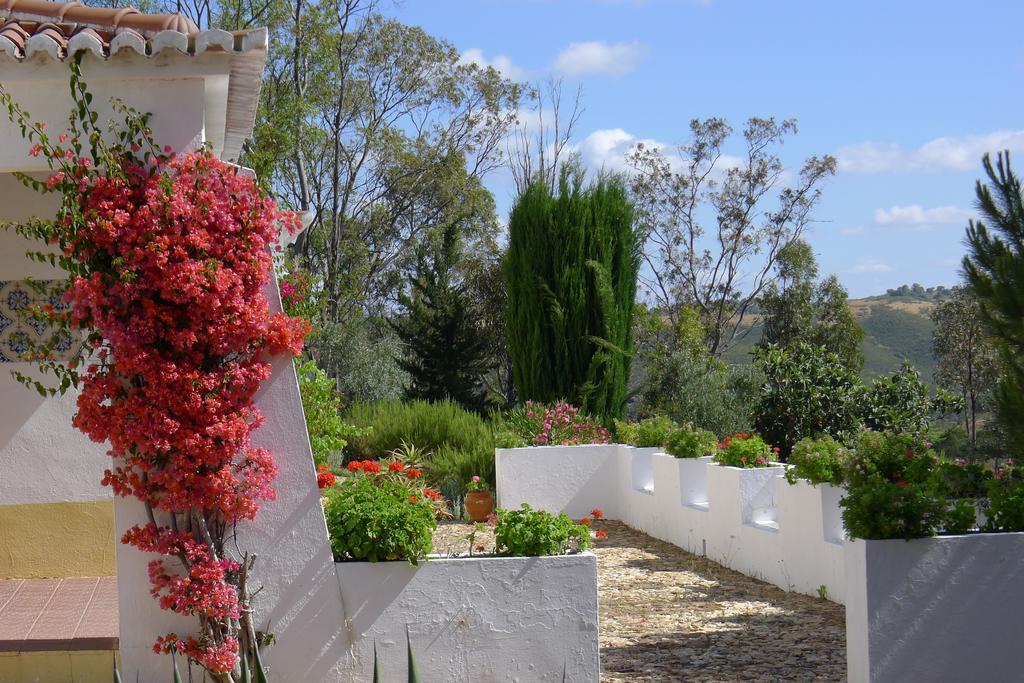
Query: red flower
pixel 586 521
pixel 355 466
pixel 600 534
pixel 776 450
pixel 396 467
pixel 596 513
pixel 902 483
pixel 431 494
pixel 325 478
pixel 414 499
pixel 413 473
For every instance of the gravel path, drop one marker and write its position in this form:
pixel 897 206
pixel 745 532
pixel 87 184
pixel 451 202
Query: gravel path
pixel 667 615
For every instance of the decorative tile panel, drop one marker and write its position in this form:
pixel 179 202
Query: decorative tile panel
pixel 20 331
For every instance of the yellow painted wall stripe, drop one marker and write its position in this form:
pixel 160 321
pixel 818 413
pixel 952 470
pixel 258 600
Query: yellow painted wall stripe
pixel 86 666
pixel 56 540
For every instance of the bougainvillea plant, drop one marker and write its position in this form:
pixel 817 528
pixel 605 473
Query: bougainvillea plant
pixel 167 258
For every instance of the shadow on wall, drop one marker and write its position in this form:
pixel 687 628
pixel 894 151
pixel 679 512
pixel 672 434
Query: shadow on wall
pixel 17 405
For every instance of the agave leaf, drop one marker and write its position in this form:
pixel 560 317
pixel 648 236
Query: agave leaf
pixel 414 674
pixel 376 664
pixel 246 678
pixel 174 663
pixel 261 673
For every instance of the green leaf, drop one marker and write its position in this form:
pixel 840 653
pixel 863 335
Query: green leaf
pixel 246 677
pixel 117 674
pixel 261 673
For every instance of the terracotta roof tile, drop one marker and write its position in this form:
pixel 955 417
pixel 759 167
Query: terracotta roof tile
pixel 61 29
pixel 58 614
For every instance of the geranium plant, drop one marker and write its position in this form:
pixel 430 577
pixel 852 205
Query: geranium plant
pixel 477 484
pixel 745 450
pixel 395 471
pixel 167 257
pixel 561 424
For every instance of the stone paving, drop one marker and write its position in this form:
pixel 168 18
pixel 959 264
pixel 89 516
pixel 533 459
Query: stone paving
pixel 668 615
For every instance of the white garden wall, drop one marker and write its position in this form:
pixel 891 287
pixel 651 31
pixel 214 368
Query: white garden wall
pixel 944 609
pixel 750 520
pixel 474 619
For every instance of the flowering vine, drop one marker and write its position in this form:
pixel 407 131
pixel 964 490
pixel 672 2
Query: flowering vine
pixel 167 258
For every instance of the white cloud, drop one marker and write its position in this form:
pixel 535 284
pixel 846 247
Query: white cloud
pixel 502 63
pixel 871 266
pixel 951 153
pixel 606 149
pixel 915 214
pixel 598 57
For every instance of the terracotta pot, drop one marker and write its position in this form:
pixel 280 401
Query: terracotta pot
pixel 479 504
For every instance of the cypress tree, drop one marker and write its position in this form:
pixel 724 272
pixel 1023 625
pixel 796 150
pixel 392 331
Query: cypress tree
pixel 994 268
pixel 446 356
pixel 571 271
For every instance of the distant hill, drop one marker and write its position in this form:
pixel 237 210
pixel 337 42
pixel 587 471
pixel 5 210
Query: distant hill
pixel 895 328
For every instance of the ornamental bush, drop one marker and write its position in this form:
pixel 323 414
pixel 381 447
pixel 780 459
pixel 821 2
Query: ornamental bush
pixel 1005 499
pixel 820 461
pixel 528 533
pixel 425 425
pixel 744 450
pixel 692 443
pixel 379 521
pixel 651 432
pixel 889 488
pixel 561 424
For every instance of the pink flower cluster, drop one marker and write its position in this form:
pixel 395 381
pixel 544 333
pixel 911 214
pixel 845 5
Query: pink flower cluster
pixel 554 425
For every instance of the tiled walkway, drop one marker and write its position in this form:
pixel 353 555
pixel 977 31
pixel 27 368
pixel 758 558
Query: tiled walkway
pixel 58 614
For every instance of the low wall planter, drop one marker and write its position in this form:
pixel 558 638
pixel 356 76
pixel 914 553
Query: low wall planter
pixel 935 609
pixel 573 479
pixel 474 619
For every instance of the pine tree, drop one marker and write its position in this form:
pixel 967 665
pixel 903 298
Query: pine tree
pixel 446 356
pixel 994 268
pixel 571 270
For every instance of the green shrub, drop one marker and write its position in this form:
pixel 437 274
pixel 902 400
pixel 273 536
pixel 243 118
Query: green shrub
pixel 692 443
pixel 889 488
pixel 651 432
pixel 744 450
pixel 808 391
pixel 1006 500
pixel 527 533
pixel 427 426
pixel 820 461
pixel 328 433
pixel 378 521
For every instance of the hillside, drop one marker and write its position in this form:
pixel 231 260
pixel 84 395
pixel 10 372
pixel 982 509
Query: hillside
pixel 895 328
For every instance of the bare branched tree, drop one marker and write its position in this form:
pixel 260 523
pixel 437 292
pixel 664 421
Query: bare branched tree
pixel 541 142
pixel 711 241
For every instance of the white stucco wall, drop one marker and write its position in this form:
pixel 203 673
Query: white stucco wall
pixel 573 479
pixel 474 619
pixel 750 520
pixel 943 609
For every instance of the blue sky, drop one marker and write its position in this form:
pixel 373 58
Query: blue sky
pixel 907 94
